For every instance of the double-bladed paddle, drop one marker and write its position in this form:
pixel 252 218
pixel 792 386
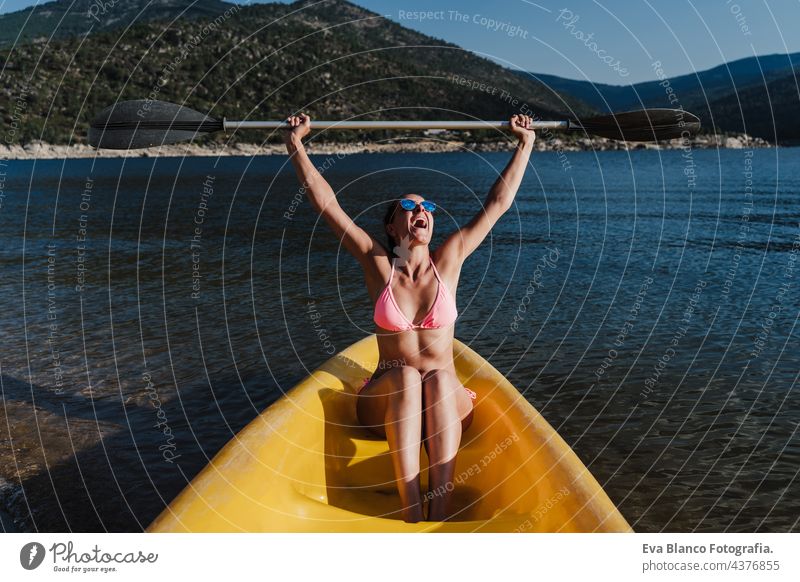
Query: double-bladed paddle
pixel 145 123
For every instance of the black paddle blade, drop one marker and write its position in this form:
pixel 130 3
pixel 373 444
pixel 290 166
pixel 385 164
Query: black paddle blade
pixel 144 123
pixel 643 125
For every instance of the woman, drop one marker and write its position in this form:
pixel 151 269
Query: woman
pixel 414 396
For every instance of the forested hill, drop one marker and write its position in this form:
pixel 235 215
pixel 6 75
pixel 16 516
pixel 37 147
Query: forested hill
pixel 69 18
pixel 332 59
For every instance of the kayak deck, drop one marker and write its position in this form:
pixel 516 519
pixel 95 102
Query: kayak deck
pixel 306 465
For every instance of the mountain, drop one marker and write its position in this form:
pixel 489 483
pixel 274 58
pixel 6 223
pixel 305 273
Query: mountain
pixel 333 59
pixel 770 111
pixel 66 19
pixel 767 86
pixel 717 82
pixel 601 96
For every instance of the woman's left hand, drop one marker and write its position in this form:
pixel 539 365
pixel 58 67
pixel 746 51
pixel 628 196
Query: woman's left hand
pixel 521 127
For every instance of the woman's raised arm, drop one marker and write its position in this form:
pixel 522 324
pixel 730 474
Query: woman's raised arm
pixel 355 239
pixel 459 245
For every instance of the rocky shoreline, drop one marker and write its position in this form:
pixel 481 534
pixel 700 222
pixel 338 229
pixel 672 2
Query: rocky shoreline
pixel 43 151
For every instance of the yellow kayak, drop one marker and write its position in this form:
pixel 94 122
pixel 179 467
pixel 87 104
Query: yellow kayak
pixel 305 465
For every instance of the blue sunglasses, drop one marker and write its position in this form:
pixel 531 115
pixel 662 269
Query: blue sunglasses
pixel 410 205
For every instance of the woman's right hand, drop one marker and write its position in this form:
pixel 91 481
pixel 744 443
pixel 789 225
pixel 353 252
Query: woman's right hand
pixel 299 127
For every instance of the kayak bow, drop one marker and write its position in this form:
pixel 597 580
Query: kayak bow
pixel 306 465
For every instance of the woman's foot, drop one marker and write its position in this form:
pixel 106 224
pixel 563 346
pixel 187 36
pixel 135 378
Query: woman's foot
pixel 412 514
pixel 438 510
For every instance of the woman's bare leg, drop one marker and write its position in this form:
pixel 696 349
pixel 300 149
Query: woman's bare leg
pixel 445 405
pixel 391 406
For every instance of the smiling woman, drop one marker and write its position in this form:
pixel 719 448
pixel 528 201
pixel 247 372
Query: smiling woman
pixel 413 289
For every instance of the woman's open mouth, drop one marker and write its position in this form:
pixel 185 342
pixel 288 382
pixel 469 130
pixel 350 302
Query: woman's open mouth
pixel 420 223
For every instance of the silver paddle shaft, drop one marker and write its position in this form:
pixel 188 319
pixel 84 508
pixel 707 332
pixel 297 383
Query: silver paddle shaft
pixel 454 125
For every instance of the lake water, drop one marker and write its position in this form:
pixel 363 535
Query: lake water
pixel 645 302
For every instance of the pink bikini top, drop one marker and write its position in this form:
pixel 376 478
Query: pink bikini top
pixel 443 312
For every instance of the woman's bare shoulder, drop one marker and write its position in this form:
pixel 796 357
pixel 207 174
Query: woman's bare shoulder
pixel 447 263
pixel 376 271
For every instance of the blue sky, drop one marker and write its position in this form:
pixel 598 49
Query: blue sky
pixel 607 41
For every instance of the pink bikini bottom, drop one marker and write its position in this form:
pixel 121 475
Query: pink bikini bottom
pixel 472 394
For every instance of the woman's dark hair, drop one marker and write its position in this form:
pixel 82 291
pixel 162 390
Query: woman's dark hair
pixel 387 219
